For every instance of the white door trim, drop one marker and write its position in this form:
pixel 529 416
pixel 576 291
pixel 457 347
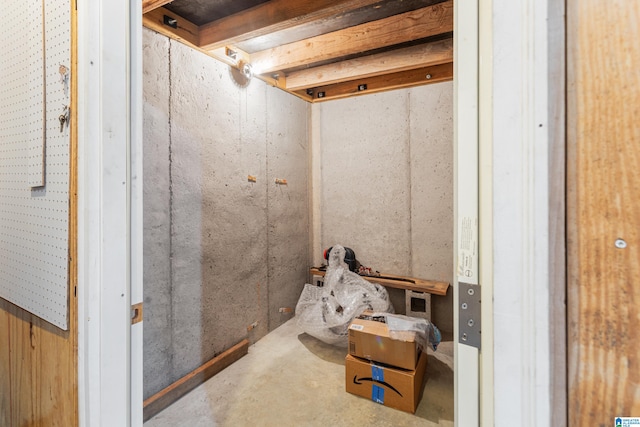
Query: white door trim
pixel 466 360
pixel 103 213
pixel 519 216
pixel 136 208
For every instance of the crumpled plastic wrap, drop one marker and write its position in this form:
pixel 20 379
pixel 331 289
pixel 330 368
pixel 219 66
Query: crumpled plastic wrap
pixel 407 328
pixel 326 312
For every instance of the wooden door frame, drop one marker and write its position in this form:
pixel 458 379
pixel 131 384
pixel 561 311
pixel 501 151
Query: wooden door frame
pixel 522 212
pixel 109 211
pixel 603 109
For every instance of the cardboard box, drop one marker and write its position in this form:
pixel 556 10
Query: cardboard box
pixel 393 387
pixel 369 339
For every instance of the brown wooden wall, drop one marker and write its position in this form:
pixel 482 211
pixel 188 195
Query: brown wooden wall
pixel 603 126
pixel 38 370
pixel 38 361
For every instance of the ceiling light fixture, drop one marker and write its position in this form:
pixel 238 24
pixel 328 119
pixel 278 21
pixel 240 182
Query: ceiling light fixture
pixel 246 69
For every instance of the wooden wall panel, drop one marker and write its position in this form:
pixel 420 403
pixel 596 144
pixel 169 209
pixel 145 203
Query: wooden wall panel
pixel 38 361
pixel 38 371
pixel 5 371
pixel 603 107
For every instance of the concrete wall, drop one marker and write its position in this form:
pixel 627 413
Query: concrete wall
pixel 384 184
pixel 221 253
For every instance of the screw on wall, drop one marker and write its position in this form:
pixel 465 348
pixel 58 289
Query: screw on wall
pixel 620 244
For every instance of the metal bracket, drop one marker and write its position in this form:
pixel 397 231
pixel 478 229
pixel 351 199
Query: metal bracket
pixel 469 315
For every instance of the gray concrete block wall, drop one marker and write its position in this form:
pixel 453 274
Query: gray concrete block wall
pixel 366 202
pixel 288 234
pixel 221 253
pixel 157 231
pixel 431 119
pixel 387 184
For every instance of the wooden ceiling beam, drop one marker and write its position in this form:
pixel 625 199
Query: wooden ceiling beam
pixel 405 27
pixel 274 15
pixel 403 79
pixel 346 18
pixel 149 5
pixel 185 31
pixel 424 55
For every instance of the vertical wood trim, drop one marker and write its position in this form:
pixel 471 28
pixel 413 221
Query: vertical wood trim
pixel 73 215
pixel 5 365
pixel 557 213
pixel 521 195
pixel 603 112
pixel 465 199
pixel 485 208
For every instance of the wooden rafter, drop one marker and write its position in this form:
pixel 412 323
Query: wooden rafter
pixel 186 31
pixel 403 79
pixel 149 5
pixel 420 56
pixel 405 27
pixel 275 15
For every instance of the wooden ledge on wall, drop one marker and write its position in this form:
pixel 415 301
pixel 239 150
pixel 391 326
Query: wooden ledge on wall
pixel 164 398
pixel 401 282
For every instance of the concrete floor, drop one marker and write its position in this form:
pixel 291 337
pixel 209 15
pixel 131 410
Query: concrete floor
pixel 291 379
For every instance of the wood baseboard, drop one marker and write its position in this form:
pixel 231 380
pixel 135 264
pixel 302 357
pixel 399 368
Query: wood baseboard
pixel 164 398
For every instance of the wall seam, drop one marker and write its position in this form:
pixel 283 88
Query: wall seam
pixel 268 243
pixel 410 172
pixel 170 149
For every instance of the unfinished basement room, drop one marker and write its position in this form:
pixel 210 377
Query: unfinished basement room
pixel 275 131
pixel 319 213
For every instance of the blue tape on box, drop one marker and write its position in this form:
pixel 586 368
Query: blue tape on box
pixel 377 373
pixel 377 392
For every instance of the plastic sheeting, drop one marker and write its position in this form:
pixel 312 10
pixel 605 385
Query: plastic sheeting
pixel 326 312
pixel 406 328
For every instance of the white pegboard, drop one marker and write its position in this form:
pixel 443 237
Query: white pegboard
pixel 34 231
pixel 36 118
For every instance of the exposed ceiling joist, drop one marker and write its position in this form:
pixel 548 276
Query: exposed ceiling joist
pixel 275 15
pixel 183 31
pixel 346 17
pixel 318 49
pixel 149 5
pixel 403 79
pixel 394 61
pixel 405 27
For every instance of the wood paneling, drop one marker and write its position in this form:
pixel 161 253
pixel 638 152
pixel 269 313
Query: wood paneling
pixel 5 367
pixel 39 377
pixel 38 361
pixel 603 112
